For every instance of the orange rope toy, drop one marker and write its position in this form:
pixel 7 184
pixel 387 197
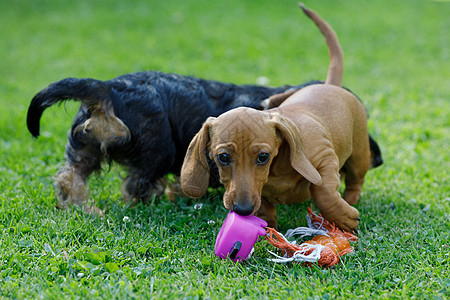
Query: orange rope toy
pixel 326 248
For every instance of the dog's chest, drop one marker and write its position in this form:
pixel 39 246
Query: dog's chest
pixel 286 189
pixel 284 184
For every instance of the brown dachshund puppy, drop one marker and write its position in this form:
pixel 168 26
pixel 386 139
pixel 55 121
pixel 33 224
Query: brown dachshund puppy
pixel 289 153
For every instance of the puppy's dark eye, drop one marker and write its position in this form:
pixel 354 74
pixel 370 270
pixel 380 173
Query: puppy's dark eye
pixel 223 159
pixel 262 158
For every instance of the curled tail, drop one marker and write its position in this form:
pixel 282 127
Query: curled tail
pixel 336 66
pixel 88 91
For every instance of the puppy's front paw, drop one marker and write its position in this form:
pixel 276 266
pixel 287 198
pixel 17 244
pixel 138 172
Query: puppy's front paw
pixel 346 218
pixel 348 221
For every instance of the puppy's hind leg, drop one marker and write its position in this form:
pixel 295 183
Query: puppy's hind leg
pixel 71 179
pixel 71 185
pixel 356 168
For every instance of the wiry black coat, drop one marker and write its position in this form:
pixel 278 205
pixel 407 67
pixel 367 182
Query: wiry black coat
pixel 161 111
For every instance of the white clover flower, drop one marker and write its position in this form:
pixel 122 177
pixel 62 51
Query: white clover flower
pixel 126 219
pixel 211 222
pixel 263 80
pixel 198 206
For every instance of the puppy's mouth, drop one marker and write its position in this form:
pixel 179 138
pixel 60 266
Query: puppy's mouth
pixel 244 207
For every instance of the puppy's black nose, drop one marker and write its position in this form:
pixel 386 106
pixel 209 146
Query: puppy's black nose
pixel 244 209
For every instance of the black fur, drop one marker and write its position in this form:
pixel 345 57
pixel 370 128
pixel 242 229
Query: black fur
pixel 162 112
pixel 377 159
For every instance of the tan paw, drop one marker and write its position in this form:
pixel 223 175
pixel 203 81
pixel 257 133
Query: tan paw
pixel 346 218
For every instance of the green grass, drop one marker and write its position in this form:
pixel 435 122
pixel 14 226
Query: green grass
pixel 396 60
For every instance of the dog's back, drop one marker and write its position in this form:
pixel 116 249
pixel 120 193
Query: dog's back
pixel 333 110
pixel 329 101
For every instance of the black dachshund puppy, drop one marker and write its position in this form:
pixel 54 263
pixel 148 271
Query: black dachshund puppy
pixel 143 121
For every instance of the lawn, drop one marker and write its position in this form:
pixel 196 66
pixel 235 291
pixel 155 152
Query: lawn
pixel 397 57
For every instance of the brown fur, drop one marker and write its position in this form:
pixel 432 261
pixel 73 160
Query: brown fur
pixel 103 127
pixel 315 134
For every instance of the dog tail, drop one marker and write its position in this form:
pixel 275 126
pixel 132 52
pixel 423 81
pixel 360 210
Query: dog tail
pixel 376 159
pixel 88 91
pixel 336 66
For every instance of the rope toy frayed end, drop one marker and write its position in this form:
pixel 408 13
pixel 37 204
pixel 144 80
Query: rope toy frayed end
pixel 325 249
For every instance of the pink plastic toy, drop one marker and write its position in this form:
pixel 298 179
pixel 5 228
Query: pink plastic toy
pixel 238 235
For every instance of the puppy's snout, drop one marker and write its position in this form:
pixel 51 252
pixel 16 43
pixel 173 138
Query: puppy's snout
pixel 243 209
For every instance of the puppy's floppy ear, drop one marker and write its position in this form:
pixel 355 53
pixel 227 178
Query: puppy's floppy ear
pixel 299 161
pixel 195 170
pixel 277 99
